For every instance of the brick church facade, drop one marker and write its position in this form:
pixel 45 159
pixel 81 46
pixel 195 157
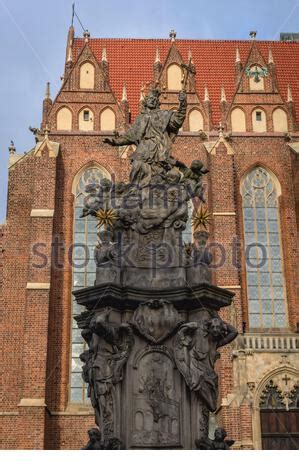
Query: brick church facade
pixel 243 123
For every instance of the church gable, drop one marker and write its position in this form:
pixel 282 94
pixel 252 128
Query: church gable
pixel 87 73
pixel 174 75
pixel 257 75
pixel 257 105
pixel 86 98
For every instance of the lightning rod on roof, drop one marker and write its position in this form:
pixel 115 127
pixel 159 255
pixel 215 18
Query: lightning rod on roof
pixel 74 14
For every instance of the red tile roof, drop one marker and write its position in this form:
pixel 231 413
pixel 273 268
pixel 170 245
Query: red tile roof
pixel 131 61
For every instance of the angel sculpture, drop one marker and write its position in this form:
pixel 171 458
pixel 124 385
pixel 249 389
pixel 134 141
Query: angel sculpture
pixel 109 348
pixel 219 443
pixel 196 352
pixel 193 178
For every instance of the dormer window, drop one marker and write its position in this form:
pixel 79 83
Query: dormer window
pixel 86 115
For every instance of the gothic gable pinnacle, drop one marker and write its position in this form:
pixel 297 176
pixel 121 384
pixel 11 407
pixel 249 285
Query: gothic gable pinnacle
pixel 104 55
pixel 238 57
pixel 212 147
pixel 124 93
pixel 157 58
pixel 51 147
pixel 69 44
pixel 290 95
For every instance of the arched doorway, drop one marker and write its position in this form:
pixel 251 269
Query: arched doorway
pixel 280 417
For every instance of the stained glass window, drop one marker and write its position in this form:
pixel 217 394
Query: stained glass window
pixel 84 271
pixel 271 397
pixel 264 261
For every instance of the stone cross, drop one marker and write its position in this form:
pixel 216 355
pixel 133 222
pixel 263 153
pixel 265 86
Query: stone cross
pixel 187 70
pixel 286 379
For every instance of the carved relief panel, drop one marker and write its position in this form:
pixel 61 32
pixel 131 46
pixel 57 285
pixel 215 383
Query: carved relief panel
pixel 156 415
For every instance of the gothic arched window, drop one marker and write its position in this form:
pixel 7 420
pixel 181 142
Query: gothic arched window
pixel 86 120
pixel 256 82
pixel 259 120
pixel 84 273
pixel 264 261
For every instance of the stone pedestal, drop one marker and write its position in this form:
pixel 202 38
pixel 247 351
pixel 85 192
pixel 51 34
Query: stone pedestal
pixel 150 405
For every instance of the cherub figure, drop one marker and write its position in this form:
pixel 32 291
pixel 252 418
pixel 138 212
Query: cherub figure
pixel 96 443
pixel 95 440
pixel 92 201
pixel 193 177
pixel 98 196
pixel 219 442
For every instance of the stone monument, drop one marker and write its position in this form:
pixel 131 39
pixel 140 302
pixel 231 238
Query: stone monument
pixel 151 320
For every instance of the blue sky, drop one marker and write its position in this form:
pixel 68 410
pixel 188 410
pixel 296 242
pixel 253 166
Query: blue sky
pixel 33 36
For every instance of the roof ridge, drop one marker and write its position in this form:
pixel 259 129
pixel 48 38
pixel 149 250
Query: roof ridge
pixel 230 41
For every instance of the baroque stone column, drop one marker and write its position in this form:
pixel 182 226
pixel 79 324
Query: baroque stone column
pixel 151 321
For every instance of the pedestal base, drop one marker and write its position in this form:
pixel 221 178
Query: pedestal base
pixel 147 347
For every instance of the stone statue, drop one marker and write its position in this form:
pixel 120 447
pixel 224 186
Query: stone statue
pixel 147 285
pixel 92 200
pixel 105 250
pixel 38 134
pixel 160 186
pixel 219 442
pixel 153 133
pixel 96 443
pixel 193 178
pixel 195 352
pixel 98 196
pixel 109 348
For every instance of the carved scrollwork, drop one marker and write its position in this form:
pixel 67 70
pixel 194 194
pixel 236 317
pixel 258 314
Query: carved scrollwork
pixel 156 320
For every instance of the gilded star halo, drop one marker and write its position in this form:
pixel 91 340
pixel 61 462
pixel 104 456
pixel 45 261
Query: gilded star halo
pixel 106 217
pixel 201 218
